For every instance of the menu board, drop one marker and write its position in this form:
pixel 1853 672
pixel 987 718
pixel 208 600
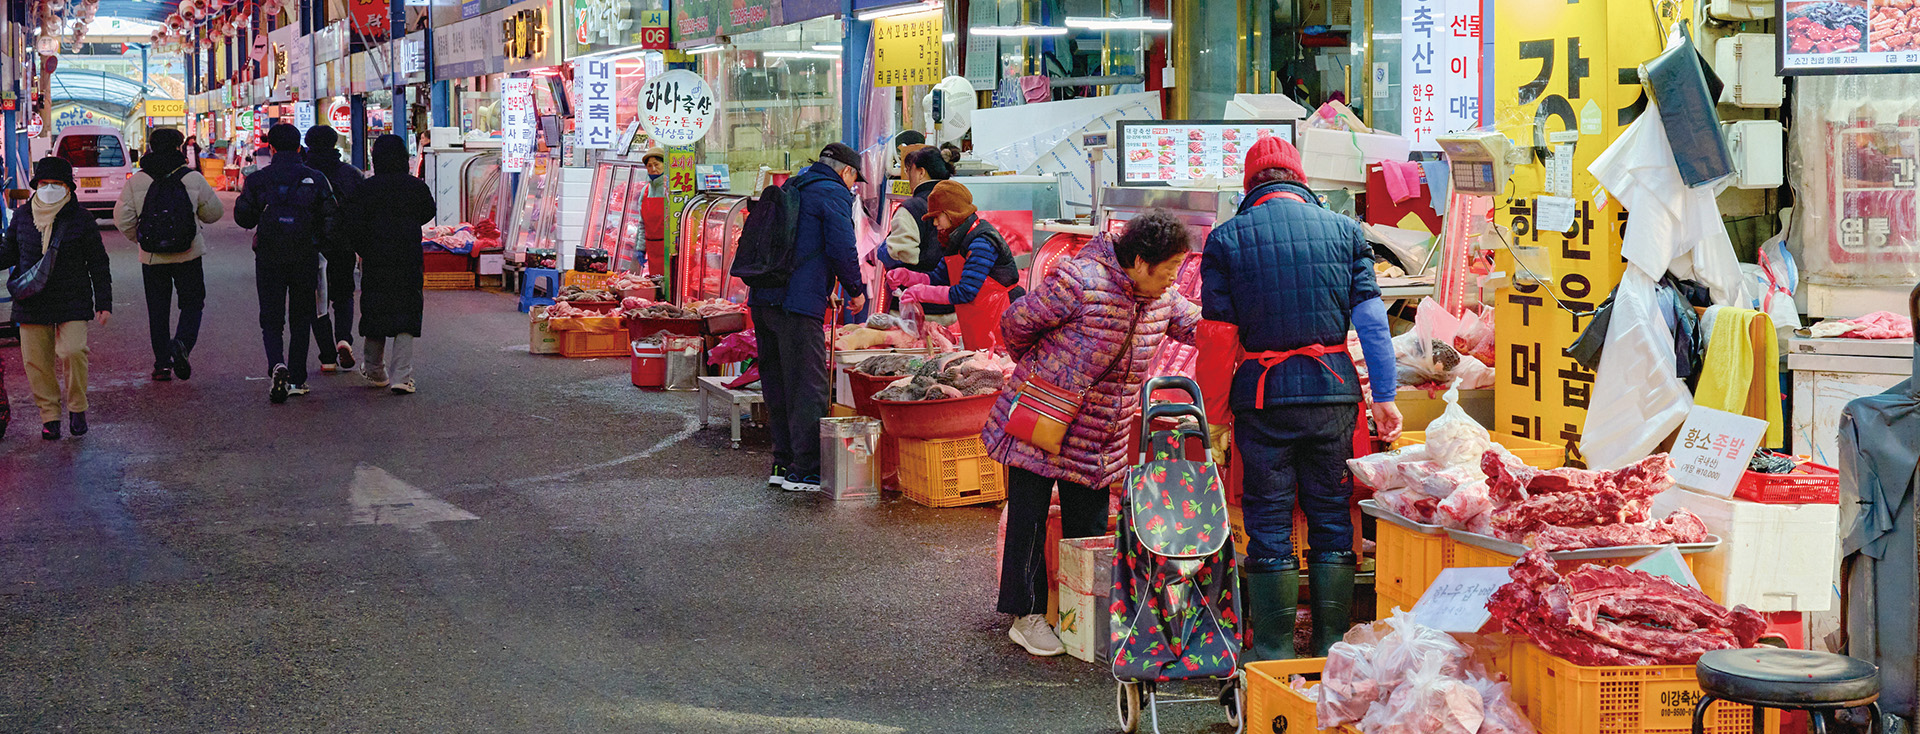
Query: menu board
pixel 1849 36
pixel 1183 152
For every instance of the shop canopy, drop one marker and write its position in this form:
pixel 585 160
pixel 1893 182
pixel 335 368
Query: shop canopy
pixel 106 92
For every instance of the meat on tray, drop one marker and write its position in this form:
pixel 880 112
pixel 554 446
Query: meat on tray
pixel 1528 500
pixel 1826 27
pixel 1680 527
pixel 1617 616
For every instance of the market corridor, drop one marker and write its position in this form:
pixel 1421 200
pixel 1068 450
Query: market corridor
pixel 529 544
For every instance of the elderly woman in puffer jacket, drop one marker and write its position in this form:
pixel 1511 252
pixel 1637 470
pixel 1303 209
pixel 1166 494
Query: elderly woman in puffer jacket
pixel 1093 327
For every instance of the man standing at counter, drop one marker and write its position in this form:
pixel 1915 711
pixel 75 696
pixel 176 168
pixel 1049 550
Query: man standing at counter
pixel 791 318
pixel 1294 277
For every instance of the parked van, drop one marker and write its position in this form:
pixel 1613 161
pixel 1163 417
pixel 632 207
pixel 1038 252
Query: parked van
pixel 102 162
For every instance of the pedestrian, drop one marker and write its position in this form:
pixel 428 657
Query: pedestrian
pixel 382 218
pixel 60 281
pixel 333 320
pixel 193 152
pixel 977 261
pixel 913 242
pixel 290 207
pixel 656 162
pixel 1091 328
pixel 791 319
pixel 1294 278
pixel 161 209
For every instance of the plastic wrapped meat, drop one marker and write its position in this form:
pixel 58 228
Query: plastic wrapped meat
pixel 1347 685
pixel 1469 502
pixel 1409 504
pixel 1381 471
pixel 1500 714
pixel 1428 701
pixel 1454 438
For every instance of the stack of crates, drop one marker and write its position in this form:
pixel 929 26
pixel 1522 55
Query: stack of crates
pixel 1406 562
pixel 950 472
pixel 1563 698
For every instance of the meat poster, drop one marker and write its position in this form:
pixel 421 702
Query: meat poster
pixel 1180 153
pixel 1849 36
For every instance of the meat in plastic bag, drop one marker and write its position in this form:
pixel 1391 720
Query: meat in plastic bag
pixel 1454 438
pixel 1468 503
pixel 1400 654
pixel 1381 472
pixel 1500 714
pixel 1408 504
pixel 1429 701
pixel 1348 687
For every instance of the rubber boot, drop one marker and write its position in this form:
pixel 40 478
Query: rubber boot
pixel 1273 601
pixel 1331 584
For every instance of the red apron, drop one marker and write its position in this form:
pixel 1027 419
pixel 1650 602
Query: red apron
pixel 980 319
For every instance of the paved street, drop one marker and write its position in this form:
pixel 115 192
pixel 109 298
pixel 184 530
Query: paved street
pixel 529 544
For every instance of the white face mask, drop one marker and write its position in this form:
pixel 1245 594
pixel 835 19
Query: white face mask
pixel 51 193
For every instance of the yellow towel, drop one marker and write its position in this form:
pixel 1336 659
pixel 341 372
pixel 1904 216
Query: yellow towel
pixel 1738 366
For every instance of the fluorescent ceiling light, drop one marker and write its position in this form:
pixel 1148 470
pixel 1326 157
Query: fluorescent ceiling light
pixel 896 10
pixel 706 49
pixel 829 47
pixel 800 55
pixel 1121 24
pixel 1016 31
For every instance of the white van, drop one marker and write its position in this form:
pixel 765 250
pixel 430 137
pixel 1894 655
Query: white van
pixel 102 163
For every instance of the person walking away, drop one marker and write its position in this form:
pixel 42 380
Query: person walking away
pixel 60 281
pixel 333 334
pixel 193 152
pixel 1294 278
pixel 791 319
pixel 382 218
pixel 978 264
pixel 913 242
pixel 1090 328
pixel 161 209
pixel 290 207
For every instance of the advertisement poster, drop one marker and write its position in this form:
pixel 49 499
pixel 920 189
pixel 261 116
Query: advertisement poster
pixel 1876 188
pixel 695 19
pixel 1849 37
pixel 1177 153
pixel 594 78
pixel 516 122
pixel 1440 65
pixel 907 50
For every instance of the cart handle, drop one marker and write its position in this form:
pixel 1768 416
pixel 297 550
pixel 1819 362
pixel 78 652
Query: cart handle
pixel 1913 310
pixel 1171 382
pixel 1173 410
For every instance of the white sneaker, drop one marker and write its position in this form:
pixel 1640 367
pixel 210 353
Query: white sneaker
pixel 1033 633
pixel 376 382
pixel 403 388
pixel 802 484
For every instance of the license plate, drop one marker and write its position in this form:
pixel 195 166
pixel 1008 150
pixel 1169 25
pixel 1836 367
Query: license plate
pixel 90 182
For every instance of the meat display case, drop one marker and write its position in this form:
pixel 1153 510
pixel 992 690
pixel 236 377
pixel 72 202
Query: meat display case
pixel 613 212
pixel 709 231
pixel 534 223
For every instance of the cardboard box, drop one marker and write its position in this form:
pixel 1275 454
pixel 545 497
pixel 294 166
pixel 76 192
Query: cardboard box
pixel 1338 159
pixel 1085 582
pixel 539 339
pixel 1772 558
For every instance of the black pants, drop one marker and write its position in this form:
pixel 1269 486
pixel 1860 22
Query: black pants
pixel 328 331
pixel 793 379
pixel 1024 582
pixel 286 307
pixel 162 280
pixel 1295 451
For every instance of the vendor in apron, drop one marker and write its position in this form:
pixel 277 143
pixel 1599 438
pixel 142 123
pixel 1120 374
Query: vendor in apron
pixel 978 264
pixel 1292 278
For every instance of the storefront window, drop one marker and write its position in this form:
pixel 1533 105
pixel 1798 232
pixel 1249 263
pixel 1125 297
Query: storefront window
pixel 780 99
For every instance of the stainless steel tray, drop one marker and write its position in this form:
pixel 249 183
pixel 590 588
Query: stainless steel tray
pixel 1584 554
pixel 1373 509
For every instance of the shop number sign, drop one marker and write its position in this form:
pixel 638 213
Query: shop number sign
pixel 595 80
pixel 1714 447
pixel 653 29
pixel 677 108
pixel 907 50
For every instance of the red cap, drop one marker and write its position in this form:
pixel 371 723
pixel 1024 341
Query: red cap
pixel 1270 152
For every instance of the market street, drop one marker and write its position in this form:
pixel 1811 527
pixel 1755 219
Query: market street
pixel 529 544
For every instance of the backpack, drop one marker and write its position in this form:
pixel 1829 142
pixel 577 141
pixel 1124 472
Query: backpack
pixel 287 225
pixel 168 223
pixel 763 257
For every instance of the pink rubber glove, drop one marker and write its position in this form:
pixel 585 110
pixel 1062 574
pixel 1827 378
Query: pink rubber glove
pixel 926 294
pixel 904 278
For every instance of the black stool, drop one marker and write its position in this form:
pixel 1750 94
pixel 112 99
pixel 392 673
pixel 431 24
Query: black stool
pixel 1818 683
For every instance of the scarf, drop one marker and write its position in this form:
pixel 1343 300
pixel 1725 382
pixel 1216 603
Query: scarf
pixel 43 214
pixel 29 283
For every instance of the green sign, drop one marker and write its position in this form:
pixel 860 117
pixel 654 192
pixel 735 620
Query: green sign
pixel 694 19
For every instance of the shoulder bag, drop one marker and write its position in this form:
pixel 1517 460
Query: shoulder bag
pixel 1043 411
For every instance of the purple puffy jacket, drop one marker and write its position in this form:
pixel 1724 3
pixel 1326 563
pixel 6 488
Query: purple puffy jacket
pixel 1066 332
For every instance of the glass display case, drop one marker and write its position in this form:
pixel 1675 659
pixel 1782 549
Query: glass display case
pixel 708 235
pixel 535 221
pixel 480 195
pixel 613 211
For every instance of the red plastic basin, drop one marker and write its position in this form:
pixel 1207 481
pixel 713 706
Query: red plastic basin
pixel 951 418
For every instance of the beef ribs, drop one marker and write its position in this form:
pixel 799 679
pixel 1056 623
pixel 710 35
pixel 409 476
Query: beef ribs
pixel 1616 616
pixel 1570 497
pixel 1680 527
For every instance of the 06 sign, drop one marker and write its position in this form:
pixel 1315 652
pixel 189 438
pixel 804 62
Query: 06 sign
pixel 653 29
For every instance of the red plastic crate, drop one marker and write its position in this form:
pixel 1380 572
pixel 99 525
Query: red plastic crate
pixel 446 262
pixel 1807 484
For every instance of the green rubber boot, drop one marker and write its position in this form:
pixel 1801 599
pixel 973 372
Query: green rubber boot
pixel 1273 601
pixel 1331 585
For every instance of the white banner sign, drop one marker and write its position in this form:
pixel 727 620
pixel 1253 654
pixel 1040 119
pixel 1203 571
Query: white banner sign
pixel 516 122
pixel 594 78
pixel 1439 69
pixel 677 108
pixel 303 116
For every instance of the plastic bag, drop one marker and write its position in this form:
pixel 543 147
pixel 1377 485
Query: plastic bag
pixel 1500 715
pixel 1468 503
pixel 1405 651
pixel 1381 472
pixel 1428 701
pixel 1408 504
pixel 739 346
pixel 1348 687
pixel 1454 438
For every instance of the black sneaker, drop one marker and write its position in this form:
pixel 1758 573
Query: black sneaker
pixel 797 483
pixel 180 365
pixel 77 423
pixel 344 352
pixel 50 430
pixel 778 477
pixel 281 383
pixel 162 374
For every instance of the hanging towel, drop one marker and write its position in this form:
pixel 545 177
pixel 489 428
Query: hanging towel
pixel 1403 179
pixel 1037 89
pixel 1742 370
pixel 1436 184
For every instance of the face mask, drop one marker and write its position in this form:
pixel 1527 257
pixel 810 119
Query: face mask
pixel 51 193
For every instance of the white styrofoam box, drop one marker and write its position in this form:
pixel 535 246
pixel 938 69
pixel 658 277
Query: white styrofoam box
pixel 1772 558
pixel 1740 9
pixel 1337 158
pixel 1759 153
pixel 492 263
pixel 1745 61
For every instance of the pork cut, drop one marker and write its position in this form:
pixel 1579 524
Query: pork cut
pixel 1680 527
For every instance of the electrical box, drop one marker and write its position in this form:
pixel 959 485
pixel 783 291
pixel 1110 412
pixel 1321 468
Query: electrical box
pixel 1740 9
pixel 1745 62
pixel 1759 153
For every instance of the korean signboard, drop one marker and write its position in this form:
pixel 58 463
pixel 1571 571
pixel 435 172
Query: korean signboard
pixel 907 50
pixel 526 35
pixel 370 18
pixel 300 68
pixel 1848 37
pixel 653 29
pixel 1440 68
pixel 677 108
pixel 594 78
pixel 709 18
pixel 279 63
pixel 603 23
pixel 1713 449
pixel 468 48
pixel 516 122
pixel 303 116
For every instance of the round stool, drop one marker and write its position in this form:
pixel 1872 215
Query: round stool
pixel 1818 683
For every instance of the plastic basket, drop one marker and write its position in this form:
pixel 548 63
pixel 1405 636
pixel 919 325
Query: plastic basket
pixel 950 472
pixel 1468 555
pixel 584 279
pixel 1537 454
pixel 448 281
pixel 1407 561
pixel 577 343
pixel 1385 599
pixel 642 328
pixel 445 262
pixel 1272 705
pixel 1807 484
pixel 927 419
pixel 864 386
pixel 1563 698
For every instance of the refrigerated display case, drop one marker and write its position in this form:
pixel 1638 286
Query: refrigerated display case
pixel 613 211
pixel 534 222
pixel 709 232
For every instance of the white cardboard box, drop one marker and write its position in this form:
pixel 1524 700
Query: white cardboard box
pixel 1337 158
pixel 1772 558
pixel 1085 581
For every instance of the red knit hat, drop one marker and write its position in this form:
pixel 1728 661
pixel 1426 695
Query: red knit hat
pixel 1270 152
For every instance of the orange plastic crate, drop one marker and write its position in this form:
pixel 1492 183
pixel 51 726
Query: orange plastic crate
pixel 1537 454
pixel 588 344
pixel 950 472
pixel 1272 705
pixel 1563 698
pixel 584 279
pixel 1385 600
pixel 1467 555
pixel 1407 561
pixel 448 281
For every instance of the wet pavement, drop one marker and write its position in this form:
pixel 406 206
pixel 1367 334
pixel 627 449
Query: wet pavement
pixel 529 544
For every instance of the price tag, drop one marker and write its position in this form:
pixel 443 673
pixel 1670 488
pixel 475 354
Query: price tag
pixel 1713 450
pixel 1457 600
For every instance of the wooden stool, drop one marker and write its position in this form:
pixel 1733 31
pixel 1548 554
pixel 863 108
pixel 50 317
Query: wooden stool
pixel 1818 683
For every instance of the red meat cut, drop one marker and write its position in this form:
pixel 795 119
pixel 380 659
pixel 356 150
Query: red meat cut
pixel 1680 527
pixel 1570 497
pixel 1617 616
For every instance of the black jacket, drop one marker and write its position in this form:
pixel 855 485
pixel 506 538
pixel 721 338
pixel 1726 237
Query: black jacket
pixel 341 175
pixel 81 283
pixel 382 219
pixel 287 181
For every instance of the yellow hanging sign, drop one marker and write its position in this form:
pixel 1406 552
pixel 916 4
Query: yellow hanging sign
pixel 908 49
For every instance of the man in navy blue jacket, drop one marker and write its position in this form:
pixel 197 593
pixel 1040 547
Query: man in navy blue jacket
pixel 290 208
pixel 790 321
pixel 1294 278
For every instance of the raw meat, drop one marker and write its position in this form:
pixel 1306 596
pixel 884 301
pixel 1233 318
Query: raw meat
pixel 1409 504
pixel 1347 685
pixel 1574 497
pixel 1680 527
pixel 1468 502
pixel 1507 477
pixel 1617 616
pixel 1399 677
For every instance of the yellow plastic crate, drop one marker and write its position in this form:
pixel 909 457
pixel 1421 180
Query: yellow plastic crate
pixel 448 281
pixel 1407 561
pixel 950 472
pixel 1385 600
pixel 1538 454
pixel 1467 555
pixel 1563 698
pixel 1272 705
pixel 584 279
pixel 589 344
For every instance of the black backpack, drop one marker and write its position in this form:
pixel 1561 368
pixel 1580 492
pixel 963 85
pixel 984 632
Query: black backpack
pixel 167 220
pixel 763 257
pixel 287 227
